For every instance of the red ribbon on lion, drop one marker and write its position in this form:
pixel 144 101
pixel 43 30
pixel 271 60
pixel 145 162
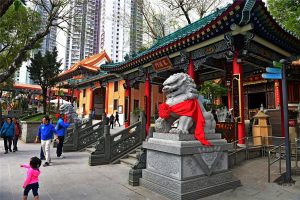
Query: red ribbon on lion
pixel 189 108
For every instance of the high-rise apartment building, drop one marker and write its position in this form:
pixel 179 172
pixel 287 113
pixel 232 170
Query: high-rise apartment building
pixel 115 26
pixel 136 26
pixel 121 27
pixel 83 36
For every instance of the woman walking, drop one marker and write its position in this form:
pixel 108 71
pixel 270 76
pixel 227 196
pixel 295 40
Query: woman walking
pixel 8 132
pixel 18 132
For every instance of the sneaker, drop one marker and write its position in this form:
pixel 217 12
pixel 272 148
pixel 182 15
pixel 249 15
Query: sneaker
pixel 60 157
pixel 10 150
pixel 43 158
pixel 14 150
pixel 6 152
pixel 46 164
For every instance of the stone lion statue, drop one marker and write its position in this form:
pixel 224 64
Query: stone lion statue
pixel 69 110
pixel 182 104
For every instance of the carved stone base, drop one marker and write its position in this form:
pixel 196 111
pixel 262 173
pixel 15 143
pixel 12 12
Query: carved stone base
pixel 182 168
pixel 134 177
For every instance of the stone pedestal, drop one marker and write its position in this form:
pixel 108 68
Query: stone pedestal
pixel 180 167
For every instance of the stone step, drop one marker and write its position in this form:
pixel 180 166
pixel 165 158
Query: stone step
pixel 128 161
pixel 132 155
pixel 90 149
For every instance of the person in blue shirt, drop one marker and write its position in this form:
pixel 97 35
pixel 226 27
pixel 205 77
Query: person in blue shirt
pixel 45 134
pixel 8 132
pixel 61 128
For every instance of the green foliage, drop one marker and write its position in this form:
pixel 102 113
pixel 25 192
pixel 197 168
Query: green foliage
pixel 16 27
pixel 44 68
pixel 211 90
pixel 8 84
pixel 286 12
pixel 42 71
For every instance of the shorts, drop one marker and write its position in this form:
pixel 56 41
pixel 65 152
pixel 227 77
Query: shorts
pixel 34 187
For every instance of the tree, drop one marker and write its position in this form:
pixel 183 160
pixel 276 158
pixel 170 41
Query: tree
pixel 16 26
pixel 187 8
pixel 287 12
pixel 159 20
pixel 5 86
pixel 57 15
pixel 211 90
pixel 42 71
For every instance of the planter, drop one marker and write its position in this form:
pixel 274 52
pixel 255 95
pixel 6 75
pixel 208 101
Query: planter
pixel 29 131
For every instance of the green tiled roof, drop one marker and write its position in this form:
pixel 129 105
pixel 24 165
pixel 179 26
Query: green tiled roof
pixel 175 36
pixel 88 78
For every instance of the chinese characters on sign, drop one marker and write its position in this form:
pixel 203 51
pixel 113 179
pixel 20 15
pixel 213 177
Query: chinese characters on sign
pixel 235 96
pixel 162 64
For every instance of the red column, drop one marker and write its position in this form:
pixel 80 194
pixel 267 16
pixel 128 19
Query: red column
pixel 106 98
pixel 92 99
pixel 148 99
pixel 281 108
pixel 191 68
pixel 238 69
pixel 128 99
pixel 229 96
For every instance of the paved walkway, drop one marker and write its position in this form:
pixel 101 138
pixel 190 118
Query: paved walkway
pixel 72 179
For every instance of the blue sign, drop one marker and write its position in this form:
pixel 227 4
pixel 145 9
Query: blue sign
pixel 274 70
pixel 271 76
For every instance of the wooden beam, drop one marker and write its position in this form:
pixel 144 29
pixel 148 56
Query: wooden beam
pixel 271 46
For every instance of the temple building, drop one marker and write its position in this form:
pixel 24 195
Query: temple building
pixel 235 43
pixel 94 90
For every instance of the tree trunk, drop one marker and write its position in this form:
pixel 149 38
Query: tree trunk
pixel 185 14
pixel 45 100
pixel 4 6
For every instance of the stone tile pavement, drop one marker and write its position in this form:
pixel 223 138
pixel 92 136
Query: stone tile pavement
pixel 73 179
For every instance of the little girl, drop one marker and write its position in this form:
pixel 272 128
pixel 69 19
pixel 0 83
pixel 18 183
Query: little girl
pixel 32 179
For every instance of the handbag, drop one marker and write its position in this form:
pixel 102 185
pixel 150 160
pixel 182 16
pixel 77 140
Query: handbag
pixel 2 133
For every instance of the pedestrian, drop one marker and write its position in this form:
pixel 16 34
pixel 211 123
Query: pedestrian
pixel 42 154
pixel 117 119
pixel 93 113
pixel 32 180
pixel 111 121
pixel 7 133
pixel 60 128
pixel 45 134
pixel 18 132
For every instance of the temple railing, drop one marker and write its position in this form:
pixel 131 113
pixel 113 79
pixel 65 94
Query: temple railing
pixel 82 135
pixel 110 148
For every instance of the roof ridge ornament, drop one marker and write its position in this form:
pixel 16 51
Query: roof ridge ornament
pixel 246 13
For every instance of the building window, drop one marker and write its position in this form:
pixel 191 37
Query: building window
pixel 116 86
pixel 136 104
pixel 115 104
pixel 83 93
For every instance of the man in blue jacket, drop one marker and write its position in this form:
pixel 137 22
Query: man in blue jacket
pixel 8 132
pixel 45 134
pixel 61 129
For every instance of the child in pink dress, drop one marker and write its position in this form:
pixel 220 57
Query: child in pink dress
pixel 32 179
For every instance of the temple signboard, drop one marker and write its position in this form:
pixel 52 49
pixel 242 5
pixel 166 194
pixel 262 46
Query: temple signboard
pixel 162 64
pixel 236 97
